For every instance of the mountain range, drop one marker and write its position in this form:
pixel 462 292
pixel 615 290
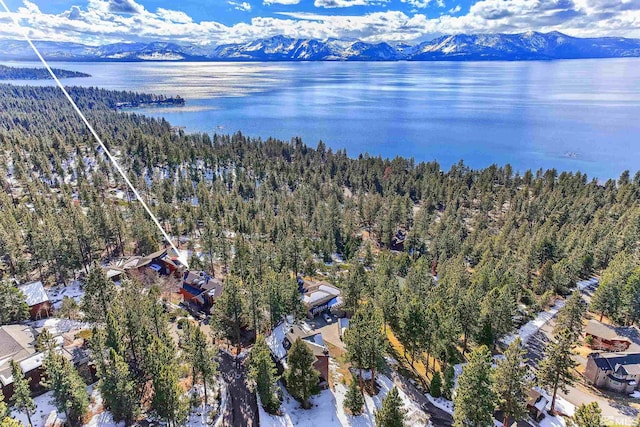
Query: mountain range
pixel 460 47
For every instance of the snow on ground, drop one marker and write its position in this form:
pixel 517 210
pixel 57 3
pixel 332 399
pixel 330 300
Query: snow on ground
pixel 442 403
pixel 199 416
pixel 635 395
pixel 328 409
pixel 57 326
pixel 533 326
pixel 46 412
pixel 583 284
pixel 43 410
pixel 57 293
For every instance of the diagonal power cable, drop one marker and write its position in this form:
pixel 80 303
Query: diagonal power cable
pixel 95 134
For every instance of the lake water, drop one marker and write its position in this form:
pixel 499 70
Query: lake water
pixel 571 115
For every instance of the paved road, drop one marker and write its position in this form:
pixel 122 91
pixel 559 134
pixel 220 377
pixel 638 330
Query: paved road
pixel 439 418
pixel 242 406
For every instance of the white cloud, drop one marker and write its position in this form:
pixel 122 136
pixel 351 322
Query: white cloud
pixel 242 6
pixel 455 10
pixel 287 2
pixel 106 21
pixel 418 4
pixel 328 4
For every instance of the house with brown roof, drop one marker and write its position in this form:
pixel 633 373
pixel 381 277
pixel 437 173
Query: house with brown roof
pixel 614 371
pixel 606 337
pixel 315 343
pixel 17 342
pixel 37 299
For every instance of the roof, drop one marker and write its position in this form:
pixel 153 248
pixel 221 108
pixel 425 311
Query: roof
pixel 536 399
pixel 617 362
pixel 16 343
pixel 601 330
pixel 34 292
pixel 112 271
pixel 318 293
pixel 313 339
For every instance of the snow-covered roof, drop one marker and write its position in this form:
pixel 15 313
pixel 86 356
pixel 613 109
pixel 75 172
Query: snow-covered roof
pixel 34 293
pixel 274 341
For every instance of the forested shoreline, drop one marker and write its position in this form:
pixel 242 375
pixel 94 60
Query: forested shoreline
pixel 24 73
pixel 482 250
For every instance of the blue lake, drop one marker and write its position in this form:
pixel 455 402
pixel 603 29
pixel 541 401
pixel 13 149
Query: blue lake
pixel 571 115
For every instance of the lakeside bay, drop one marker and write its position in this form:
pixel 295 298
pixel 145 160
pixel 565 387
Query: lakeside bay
pixel 570 115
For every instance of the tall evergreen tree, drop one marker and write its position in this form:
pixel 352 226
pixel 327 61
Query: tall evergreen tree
pixel 264 375
pixel 570 316
pixel 13 305
pixel 353 399
pixel 21 398
pixel 99 294
pixel 511 384
pixel 300 376
pixel 392 412
pixel 69 391
pixel 588 415
pixel 554 370
pixel 475 399
pixel 117 388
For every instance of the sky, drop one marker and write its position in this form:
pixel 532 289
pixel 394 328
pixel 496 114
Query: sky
pixel 211 22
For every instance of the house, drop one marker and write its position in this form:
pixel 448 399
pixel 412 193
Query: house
pixel 605 337
pixel 536 404
pixel 114 273
pixel 613 371
pixel 17 342
pixel 315 343
pixel 37 299
pixel 200 288
pixel 319 296
pixel 159 262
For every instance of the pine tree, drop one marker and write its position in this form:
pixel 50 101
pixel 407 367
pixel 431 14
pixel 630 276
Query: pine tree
pixel 13 305
pixel 449 379
pixel 588 415
pixel 4 408
pixel 475 399
pixel 118 390
pixel 570 316
pixel 300 376
pixel 69 391
pixel 229 310
pixel 353 400
pixel 263 374
pixel 10 422
pixel 21 398
pixel 203 360
pixel 167 395
pixel 554 370
pixel 392 412
pixel 99 295
pixel 510 383
pixel 435 387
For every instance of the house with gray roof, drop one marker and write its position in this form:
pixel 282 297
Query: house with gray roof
pixel 618 372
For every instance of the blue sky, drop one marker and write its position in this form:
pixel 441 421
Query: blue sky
pixel 221 21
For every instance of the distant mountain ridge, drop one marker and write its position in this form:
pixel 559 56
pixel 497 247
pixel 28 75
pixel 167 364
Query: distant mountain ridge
pixel 460 47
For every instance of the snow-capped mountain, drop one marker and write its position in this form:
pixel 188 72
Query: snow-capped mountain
pixel 525 46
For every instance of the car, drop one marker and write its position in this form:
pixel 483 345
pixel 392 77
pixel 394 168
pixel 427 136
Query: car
pixel 327 317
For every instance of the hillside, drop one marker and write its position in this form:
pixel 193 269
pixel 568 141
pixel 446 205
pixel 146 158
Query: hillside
pixel 477 47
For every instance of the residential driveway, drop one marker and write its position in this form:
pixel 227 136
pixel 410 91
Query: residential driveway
pixel 242 406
